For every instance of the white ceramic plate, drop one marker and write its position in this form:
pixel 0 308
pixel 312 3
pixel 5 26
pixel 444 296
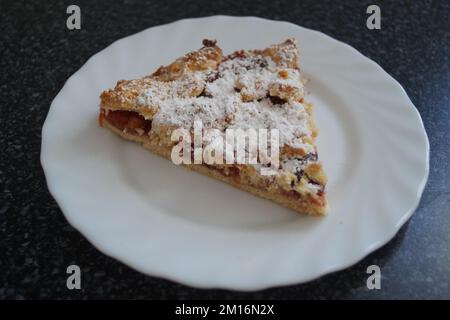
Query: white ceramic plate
pixel 166 221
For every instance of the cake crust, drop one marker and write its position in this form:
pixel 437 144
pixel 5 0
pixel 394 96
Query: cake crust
pixel 253 88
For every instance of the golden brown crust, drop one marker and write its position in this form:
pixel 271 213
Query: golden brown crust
pixel 285 53
pixel 124 95
pixel 207 57
pixel 300 186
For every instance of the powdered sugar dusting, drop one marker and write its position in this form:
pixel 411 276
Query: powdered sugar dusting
pixel 236 96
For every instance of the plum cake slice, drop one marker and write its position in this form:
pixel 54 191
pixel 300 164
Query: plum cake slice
pixel 245 90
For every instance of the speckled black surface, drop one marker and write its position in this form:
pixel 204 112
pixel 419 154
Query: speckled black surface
pixel 38 54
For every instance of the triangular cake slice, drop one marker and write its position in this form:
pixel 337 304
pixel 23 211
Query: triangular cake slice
pixel 248 89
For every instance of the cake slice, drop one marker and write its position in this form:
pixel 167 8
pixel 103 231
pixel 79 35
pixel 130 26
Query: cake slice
pixel 210 94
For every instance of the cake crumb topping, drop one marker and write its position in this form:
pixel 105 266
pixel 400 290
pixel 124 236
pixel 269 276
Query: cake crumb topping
pixel 255 89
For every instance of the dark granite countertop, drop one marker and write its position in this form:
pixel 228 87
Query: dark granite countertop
pixel 38 53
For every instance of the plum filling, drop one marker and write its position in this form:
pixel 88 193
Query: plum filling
pixel 319 200
pixel 128 121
